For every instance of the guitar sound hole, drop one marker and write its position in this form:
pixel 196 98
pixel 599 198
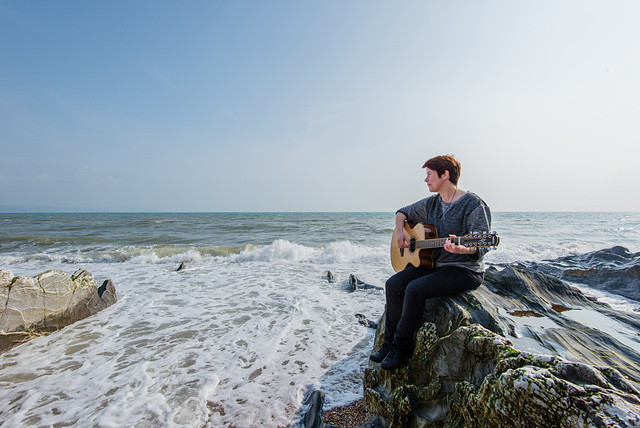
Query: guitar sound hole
pixel 412 245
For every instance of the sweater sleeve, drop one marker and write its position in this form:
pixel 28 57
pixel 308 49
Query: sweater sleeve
pixel 416 212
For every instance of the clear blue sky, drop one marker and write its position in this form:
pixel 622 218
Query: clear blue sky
pixel 318 105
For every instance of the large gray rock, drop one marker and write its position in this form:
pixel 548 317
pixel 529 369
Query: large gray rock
pixel 614 270
pixel 47 302
pixel 466 371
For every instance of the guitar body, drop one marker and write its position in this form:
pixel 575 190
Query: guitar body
pixel 402 258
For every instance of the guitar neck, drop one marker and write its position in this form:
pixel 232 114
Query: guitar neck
pixel 436 242
pixel 467 241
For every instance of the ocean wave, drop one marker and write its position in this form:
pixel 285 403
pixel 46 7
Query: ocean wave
pixel 278 251
pixel 282 250
pixel 335 252
pixel 137 255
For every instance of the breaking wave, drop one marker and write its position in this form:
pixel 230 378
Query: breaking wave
pixel 279 251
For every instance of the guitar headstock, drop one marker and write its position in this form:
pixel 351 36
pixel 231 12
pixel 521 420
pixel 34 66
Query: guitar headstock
pixel 480 240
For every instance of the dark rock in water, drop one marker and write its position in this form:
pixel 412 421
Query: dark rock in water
pixel 182 266
pixel 329 276
pixel 615 270
pixel 313 416
pixel 524 349
pixel 355 284
pixel 366 322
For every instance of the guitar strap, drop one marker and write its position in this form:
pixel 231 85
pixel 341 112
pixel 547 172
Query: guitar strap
pixel 484 211
pixel 485 216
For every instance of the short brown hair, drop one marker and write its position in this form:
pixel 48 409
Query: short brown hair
pixel 440 164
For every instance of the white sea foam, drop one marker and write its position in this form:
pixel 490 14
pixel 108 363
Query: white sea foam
pixel 236 339
pixel 335 252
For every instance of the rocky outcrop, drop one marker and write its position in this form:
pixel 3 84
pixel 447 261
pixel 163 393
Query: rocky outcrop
pixel 312 417
pixel 615 270
pixel 47 302
pixel 513 353
pixel 355 283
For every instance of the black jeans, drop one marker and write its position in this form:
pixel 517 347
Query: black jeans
pixel 408 290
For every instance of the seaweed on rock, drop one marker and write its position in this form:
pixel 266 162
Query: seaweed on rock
pixel 466 370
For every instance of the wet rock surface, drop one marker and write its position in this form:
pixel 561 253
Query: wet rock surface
pixel 615 270
pixel 525 349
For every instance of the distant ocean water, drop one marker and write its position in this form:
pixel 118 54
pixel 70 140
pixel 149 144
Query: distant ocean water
pixel 247 329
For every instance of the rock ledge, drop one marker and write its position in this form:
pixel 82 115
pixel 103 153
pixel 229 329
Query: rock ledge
pixel 47 302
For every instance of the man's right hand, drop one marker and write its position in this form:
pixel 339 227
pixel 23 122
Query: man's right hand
pixel 402 240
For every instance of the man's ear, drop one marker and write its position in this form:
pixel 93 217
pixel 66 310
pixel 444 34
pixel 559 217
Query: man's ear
pixel 446 174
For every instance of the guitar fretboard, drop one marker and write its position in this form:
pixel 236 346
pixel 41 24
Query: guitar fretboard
pixel 435 242
pixel 478 240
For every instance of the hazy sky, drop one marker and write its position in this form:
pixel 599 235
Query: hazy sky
pixel 318 105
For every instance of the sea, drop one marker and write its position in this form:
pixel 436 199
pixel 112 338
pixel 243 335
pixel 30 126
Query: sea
pixel 247 329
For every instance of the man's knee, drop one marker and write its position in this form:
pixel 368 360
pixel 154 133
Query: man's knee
pixel 413 291
pixel 394 284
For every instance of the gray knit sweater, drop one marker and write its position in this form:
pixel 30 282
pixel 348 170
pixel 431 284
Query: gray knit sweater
pixel 467 214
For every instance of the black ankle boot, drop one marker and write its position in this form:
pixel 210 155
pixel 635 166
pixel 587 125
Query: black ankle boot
pixel 378 356
pixel 397 357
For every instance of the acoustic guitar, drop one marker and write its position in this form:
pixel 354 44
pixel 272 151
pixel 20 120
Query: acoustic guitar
pixel 424 240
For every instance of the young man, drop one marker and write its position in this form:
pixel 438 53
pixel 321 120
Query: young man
pixel 453 212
